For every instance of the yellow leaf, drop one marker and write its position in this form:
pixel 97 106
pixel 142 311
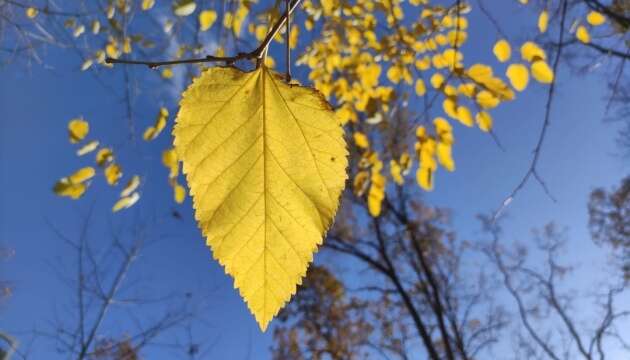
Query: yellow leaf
pixel 152 132
pixel 396 172
pixel 595 18
pixel 167 73
pixel 444 156
pixel 64 188
pixel 518 75
pixel 582 34
pixel 77 130
pixel 179 193
pixel 87 148
pixel 487 100
pixel 103 156
pixel 361 140
pixel 484 121
pixel 169 159
pixel 464 116
pixel 31 12
pixel 147 4
pixel 530 51
pixel 184 7
pixel 113 173
pixel 425 178
pixel 543 21
pixel 376 193
pixel 437 80
pixel 542 72
pixel 126 202
pixel 82 175
pixel 502 50
pixel 207 19
pixel 265 163
pixel 420 87
pixel 78 31
pixel 131 186
pixel 86 64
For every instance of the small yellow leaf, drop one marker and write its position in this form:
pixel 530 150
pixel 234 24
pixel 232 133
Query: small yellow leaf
pixel 167 73
pixel 103 156
pixel 361 140
pixel 484 121
pixel 179 193
pixel 420 87
pixel 437 80
pixel 78 31
pixel 595 18
pixel 376 194
pixel 86 64
pixel 131 186
pixel 82 175
pixel 78 130
pixel 31 12
pixel 170 161
pixel 464 116
pixel 96 27
pixel 126 202
pixel 87 148
pixel 207 19
pixel 265 163
pixel 445 157
pixel 543 21
pixel 425 178
pixel 518 75
pixel 152 132
pixel 184 7
pixel 147 4
pixel 502 50
pixel 582 34
pixel 113 173
pixel 64 188
pixel 542 72
pixel 530 51
pixel 396 172
pixel 487 100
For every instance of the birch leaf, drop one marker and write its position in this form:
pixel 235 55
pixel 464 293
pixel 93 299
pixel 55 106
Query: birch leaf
pixel 265 163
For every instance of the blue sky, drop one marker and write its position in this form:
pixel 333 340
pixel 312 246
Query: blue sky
pixel 36 104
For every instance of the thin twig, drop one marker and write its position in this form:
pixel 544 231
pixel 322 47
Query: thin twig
pixel 256 54
pixel 532 171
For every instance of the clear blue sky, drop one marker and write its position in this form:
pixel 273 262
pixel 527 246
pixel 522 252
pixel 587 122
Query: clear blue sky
pixel 36 104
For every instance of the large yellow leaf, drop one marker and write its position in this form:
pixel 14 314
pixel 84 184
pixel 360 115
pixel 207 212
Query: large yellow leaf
pixel 265 163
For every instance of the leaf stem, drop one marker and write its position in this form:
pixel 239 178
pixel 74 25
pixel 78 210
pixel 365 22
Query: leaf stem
pixel 256 54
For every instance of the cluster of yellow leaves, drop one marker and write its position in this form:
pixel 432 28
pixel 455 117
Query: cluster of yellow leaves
pixel 265 162
pixel 366 71
pixel 75 185
pixel 153 131
pixel 593 19
pixel 171 162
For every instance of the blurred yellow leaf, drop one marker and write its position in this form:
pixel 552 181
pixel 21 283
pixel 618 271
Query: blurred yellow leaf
pixel 420 87
pixel 530 51
pixel 64 188
pixel 113 173
pixel 445 157
pixel 152 132
pixel 543 21
pixel 207 19
pixel 31 12
pixel 595 18
pixel 184 7
pixel 502 50
pixel 82 175
pixel 78 130
pixel 265 163
pixel 167 73
pixel 147 4
pixel 542 72
pixel 103 156
pixel 126 202
pixel 361 140
pixel 179 193
pixel 582 34
pixel 484 121
pixel 87 148
pixel 518 75
pixel 131 186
